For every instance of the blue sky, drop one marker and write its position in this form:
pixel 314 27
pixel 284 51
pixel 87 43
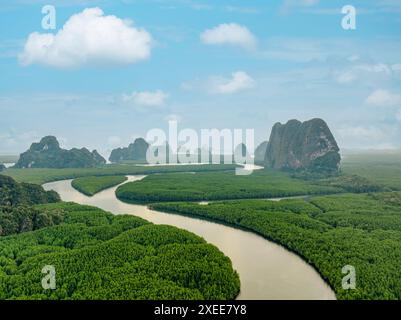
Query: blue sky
pixel 210 64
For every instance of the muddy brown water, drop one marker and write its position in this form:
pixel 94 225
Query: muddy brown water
pixel 267 270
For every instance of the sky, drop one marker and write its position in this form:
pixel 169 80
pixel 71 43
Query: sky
pixel 111 71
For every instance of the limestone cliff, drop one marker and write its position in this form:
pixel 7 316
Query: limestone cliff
pixel 134 152
pixel 298 146
pixel 48 154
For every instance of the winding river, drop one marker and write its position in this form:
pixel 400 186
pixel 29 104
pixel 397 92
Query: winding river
pixel 267 270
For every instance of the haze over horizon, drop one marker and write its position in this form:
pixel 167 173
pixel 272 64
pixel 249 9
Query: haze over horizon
pixel 225 65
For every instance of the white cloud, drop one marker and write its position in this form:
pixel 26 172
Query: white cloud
pixel 239 81
pixel 346 77
pixel 88 38
pixel 366 137
pixel 365 71
pixel 147 98
pixel 229 34
pixel 383 98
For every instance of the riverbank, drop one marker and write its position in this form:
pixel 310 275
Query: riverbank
pixel 267 271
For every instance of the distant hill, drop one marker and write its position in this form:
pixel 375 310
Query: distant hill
pixel 48 154
pixel 260 153
pixel 306 146
pixel 13 193
pixel 134 152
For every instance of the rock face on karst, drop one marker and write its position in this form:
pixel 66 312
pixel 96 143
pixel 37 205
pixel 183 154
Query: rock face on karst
pixel 48 154
pixel 303 146
pixel 260 153
pixel 134 152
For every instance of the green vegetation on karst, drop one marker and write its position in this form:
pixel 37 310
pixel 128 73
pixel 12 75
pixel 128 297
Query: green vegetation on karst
pixel 13 193
pixel 48 154
pixel 329 232
pixel 135 152
pixel 92 185
pixel 16 212
pixel 100 256
pixel 303 146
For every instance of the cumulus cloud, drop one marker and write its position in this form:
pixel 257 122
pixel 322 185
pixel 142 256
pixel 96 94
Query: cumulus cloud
pixel 229 34
pixel 88 38
pixel 383 98
pixel 239 81
pixel 147 98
